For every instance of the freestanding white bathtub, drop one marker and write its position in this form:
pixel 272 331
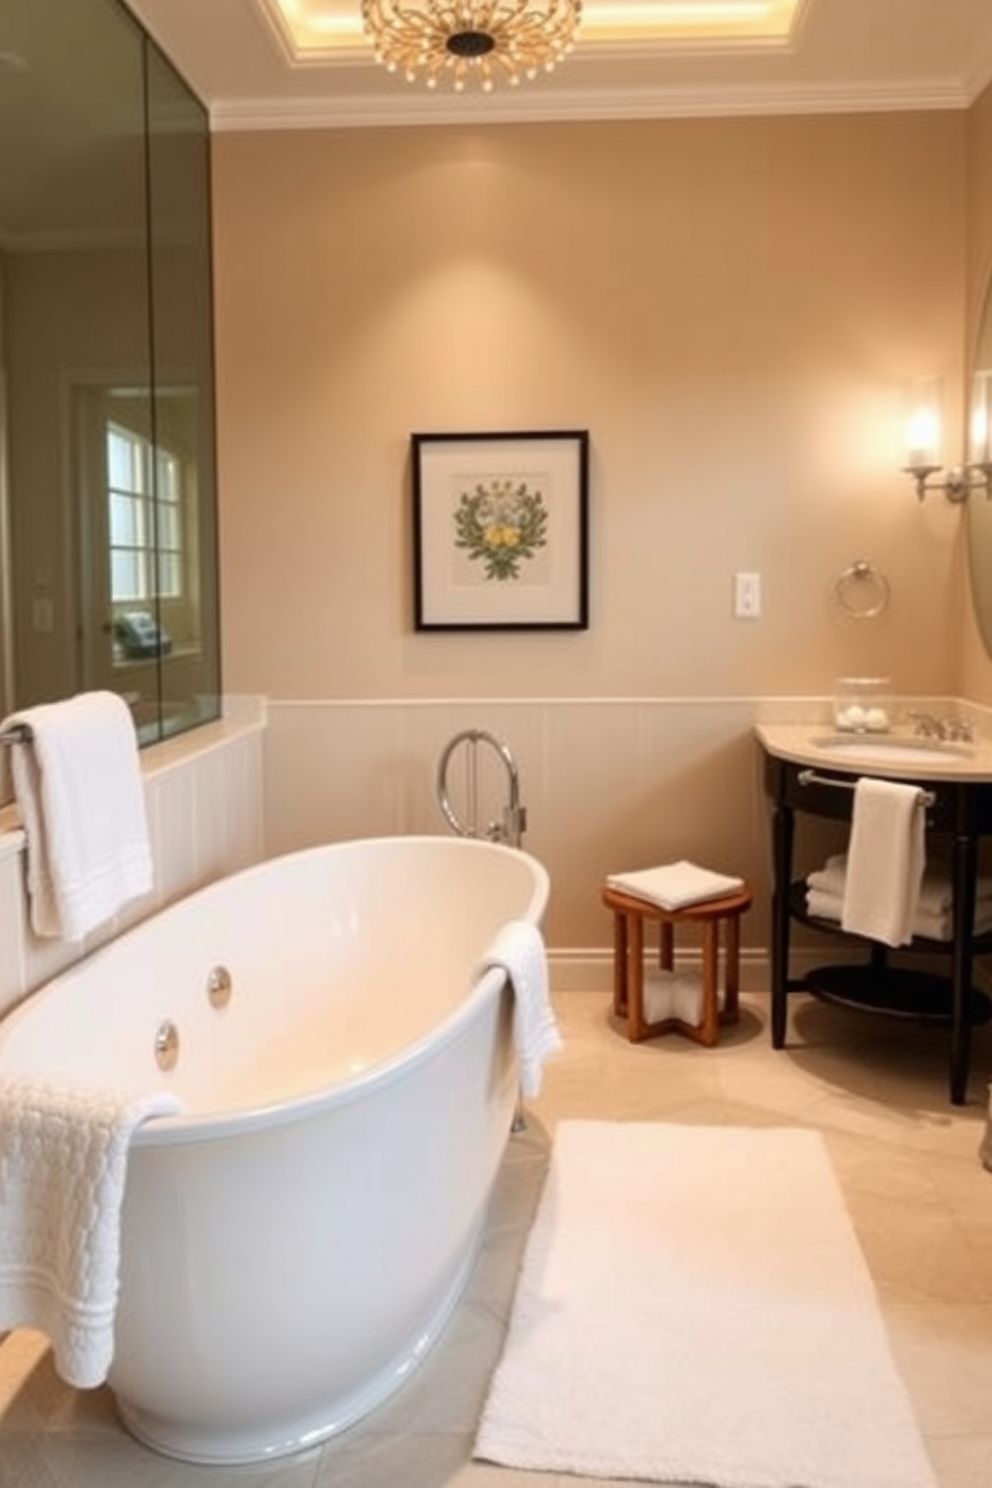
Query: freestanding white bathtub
pixel 296 1239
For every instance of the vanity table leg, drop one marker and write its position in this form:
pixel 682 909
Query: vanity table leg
pixel 965 873
pixel 782 837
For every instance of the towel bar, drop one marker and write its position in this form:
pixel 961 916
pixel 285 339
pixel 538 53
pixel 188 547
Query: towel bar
pixel 810 777
pixel 18 733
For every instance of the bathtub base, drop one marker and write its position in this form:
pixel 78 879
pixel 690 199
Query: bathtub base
pixel 263 1442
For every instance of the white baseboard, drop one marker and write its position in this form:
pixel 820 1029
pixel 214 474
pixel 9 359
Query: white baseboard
pixel 590 968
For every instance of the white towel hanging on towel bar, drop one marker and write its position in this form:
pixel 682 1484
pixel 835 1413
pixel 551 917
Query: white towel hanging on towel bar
pixel 78 786
pixel 886 857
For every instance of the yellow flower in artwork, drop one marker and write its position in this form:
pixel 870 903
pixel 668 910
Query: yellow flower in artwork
pixel 500 524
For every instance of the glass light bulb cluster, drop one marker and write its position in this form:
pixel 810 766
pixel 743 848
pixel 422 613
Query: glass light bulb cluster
pixel 471 42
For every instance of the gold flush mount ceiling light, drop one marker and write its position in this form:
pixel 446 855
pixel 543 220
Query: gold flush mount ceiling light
pixel 482 42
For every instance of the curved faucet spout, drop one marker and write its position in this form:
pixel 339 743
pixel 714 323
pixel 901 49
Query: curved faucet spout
pixel 511 827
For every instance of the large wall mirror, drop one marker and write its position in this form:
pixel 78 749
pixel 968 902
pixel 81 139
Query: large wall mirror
pixel 107 451
pixel 980 503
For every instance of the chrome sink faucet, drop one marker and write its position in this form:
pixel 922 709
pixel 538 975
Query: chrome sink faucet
pixel 929 726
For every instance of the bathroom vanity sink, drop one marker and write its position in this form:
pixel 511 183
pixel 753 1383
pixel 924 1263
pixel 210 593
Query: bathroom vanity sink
pixel 903 756
pixel 882 749
pixel 813 774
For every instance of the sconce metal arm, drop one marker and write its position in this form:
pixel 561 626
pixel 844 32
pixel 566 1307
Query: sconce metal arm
pixel 958 483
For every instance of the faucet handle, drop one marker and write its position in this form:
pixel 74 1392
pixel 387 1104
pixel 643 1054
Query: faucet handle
pixel 960 728
pixel 926 725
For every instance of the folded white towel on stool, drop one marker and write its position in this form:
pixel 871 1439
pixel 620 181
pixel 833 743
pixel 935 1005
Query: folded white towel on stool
pixel 885 861
pixel 519 950
pixel 675 885
pixel 77 783
pixel 63 1165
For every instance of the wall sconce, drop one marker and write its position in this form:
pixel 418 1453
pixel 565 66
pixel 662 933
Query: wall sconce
pixel 924 429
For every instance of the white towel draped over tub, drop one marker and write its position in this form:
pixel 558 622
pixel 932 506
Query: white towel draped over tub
pixel 63 1165
pixel 886 857
pixel 519 950
pixel 77 783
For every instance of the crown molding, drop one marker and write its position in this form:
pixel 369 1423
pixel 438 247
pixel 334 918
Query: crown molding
pixel 558 106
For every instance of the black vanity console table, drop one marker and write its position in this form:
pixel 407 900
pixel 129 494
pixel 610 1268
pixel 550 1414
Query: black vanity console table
pixel 958 815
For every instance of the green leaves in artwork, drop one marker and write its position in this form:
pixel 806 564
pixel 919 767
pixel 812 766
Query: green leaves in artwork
pixel 501 525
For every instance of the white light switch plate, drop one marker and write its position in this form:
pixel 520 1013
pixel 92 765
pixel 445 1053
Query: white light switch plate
pixel 747 596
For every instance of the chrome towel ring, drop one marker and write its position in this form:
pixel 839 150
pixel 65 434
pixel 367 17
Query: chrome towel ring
pixel 862 590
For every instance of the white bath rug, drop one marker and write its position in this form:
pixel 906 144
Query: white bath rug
pixel 694 1308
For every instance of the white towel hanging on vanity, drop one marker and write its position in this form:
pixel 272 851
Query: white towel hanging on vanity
pixel 886 857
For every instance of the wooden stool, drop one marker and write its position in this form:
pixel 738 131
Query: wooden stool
pixel 629 914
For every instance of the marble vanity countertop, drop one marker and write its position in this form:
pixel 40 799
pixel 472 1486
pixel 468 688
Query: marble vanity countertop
pixel 797 742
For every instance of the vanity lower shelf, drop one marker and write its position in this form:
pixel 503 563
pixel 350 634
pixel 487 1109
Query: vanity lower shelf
pixel 893 992
pixel 877 986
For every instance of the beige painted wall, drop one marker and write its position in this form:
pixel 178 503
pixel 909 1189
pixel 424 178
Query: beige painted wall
pixel 731 307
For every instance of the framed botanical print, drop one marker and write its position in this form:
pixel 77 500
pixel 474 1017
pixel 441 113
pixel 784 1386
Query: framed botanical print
pixel 501 531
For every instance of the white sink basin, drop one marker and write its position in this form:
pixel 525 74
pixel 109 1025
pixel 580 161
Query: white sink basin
pixel 907 751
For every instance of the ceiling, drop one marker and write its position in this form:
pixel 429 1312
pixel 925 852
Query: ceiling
pixel 843 55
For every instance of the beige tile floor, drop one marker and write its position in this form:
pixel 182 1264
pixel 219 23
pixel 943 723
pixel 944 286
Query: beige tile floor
pixel 907 1160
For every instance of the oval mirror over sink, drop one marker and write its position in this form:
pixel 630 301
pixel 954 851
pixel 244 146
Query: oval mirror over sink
pixel 980 503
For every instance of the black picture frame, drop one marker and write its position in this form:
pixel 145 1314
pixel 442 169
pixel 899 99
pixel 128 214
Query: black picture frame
pixel 501 530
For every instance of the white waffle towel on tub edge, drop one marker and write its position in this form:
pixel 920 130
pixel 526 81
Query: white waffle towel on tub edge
pixel 63 1166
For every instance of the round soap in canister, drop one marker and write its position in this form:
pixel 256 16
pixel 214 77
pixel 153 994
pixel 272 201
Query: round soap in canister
pixel 862 705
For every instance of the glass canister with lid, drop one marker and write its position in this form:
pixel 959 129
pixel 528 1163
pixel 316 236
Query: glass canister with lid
pixel 863 705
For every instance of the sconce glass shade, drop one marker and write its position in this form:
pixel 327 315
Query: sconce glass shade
pixel 980 429
pixel 923 430
pixel 923 425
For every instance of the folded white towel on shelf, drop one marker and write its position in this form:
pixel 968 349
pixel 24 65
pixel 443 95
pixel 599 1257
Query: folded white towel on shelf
pixel 932 924
pixel 824 905
pixel 936 889
pixel 77 783
pixel 63 1166
pixel 519 950
pixel 675 885
pixel 885 860
pixel 673 994
pixel 830 879
pixel 934 915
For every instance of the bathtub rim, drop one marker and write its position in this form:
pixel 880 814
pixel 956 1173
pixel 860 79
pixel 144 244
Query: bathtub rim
pixel 233 1121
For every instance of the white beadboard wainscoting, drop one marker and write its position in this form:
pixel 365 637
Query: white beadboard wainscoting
pixel 205 810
